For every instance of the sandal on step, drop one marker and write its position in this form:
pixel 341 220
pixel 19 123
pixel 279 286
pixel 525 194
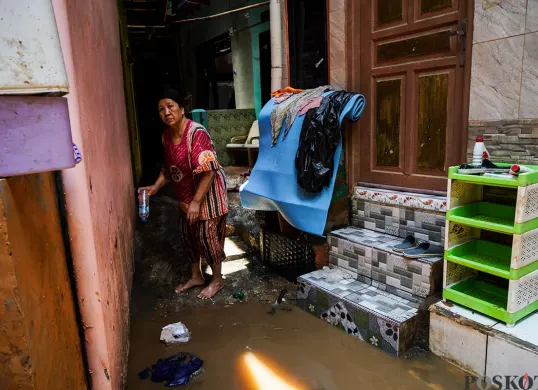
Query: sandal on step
pixel 424 249
pixel 410 242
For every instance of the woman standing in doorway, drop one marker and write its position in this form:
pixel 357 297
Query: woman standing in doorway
pixel 200 185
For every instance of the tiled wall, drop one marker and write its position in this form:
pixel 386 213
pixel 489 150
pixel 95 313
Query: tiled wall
pixel 399 221
pixel 504 81
pixel 223 125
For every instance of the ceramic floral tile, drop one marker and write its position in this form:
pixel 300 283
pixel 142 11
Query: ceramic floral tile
pixel 357 314
pixel 402 199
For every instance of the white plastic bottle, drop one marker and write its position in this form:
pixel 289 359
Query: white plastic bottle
pixel 143 205
pixel 519 169
pixel 479 152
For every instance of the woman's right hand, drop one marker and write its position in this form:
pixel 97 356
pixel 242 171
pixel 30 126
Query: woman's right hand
pixel 152 190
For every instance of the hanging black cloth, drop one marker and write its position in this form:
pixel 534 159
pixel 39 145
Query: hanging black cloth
pixel 319 138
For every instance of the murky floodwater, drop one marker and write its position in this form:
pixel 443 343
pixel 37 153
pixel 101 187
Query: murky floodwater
pixel 292 349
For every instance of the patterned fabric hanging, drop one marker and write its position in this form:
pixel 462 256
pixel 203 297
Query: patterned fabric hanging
pixel 289 109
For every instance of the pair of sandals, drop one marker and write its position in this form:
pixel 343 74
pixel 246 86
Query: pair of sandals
pixel 416 249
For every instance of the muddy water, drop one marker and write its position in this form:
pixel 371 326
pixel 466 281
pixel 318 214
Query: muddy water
pixel 292 349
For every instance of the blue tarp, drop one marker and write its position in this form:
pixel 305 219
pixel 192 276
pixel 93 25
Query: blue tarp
pixel 272 185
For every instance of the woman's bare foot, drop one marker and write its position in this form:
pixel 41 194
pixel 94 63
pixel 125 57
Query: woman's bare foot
pixel 214 287
pixel 193 282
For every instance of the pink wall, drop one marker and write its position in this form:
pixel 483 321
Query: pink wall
pixel 99 191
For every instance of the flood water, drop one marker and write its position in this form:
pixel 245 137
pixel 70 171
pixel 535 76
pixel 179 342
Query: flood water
pixel 245 348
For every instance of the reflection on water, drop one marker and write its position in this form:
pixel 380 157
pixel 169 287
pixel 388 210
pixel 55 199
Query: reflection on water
pixel 286 350
pixel 260 376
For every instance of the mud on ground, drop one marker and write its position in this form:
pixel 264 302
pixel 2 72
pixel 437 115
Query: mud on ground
pixel 160 266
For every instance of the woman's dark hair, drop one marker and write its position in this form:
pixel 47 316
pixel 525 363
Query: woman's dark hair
pixel 174 95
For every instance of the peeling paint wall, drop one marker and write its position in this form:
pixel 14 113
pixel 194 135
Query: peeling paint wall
pixel 99 192
pixel 40 347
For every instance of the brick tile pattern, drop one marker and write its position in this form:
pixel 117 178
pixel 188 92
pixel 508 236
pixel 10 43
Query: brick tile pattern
pixel 399 221
pixel 508 141
pixel 368 254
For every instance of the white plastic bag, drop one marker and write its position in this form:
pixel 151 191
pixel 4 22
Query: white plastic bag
pixel 175 333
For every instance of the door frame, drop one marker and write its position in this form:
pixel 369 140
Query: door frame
pixel 355 63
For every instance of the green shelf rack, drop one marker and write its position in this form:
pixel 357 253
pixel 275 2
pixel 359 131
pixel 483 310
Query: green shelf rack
pixel 486 298
pixel 480 207
pixel 523 180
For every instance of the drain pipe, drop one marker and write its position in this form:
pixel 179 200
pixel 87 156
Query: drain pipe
pixel 276 45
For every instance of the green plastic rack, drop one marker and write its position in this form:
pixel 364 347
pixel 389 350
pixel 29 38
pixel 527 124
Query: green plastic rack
pixel 479 208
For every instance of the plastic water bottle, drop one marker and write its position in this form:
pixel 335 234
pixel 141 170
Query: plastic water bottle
pixel 143 205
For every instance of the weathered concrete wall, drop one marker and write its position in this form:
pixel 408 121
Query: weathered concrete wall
pixel 242 64
pixel 99 191
pixel 40 347
pixel 504 80
pixel 337 30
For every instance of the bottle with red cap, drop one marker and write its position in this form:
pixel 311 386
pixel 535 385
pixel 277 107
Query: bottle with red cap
pixel 479 152
pixel 518 169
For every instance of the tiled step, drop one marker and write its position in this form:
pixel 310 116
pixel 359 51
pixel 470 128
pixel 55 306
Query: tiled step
pixel 368 254
pixel 369 314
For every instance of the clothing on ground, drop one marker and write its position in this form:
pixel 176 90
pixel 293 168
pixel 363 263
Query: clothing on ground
pixel 288 110
pixel 320 135
pixel 204 238
pixel 184 163
pixel 175 370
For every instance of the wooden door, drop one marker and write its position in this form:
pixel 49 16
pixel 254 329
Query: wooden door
pixel 412 74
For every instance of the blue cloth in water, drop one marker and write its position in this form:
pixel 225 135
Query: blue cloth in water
pixel 272 185
pixel 175 370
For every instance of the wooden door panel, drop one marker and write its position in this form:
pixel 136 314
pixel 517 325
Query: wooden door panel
pixel 432 8
pixel 412 74
pixel 430 45
pixel 389 108
pixel 389 13
pixel 433 125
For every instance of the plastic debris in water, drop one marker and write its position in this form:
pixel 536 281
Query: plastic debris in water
pixel 272 311
pixel 239 295
pixel 288 309
pixel 175 333
pixel 175 370
pixel 280 297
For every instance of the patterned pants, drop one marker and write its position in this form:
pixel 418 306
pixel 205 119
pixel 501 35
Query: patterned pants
pixel 205 239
